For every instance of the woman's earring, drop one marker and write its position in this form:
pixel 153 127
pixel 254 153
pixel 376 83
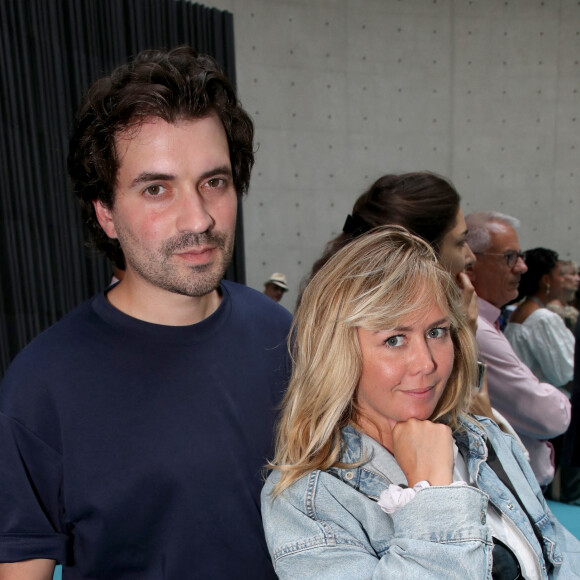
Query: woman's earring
pixel 547 288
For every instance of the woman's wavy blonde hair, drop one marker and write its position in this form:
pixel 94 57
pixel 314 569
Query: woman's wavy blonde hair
pixel 374 282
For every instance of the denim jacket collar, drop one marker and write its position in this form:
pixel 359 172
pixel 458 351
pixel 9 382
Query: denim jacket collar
pixel 365 478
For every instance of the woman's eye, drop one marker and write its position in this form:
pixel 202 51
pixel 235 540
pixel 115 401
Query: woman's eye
pixel 394 341
pixel 437 332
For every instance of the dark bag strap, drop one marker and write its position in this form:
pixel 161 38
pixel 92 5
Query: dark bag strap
pixel 505 564
pixel 495 464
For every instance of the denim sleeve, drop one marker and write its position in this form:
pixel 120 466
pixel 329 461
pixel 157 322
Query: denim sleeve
pixel 327 530
pixel 570 548
pixel 560 544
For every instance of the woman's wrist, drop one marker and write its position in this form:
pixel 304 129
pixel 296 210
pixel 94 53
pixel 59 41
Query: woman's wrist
pixel 396 497
pixel 433 478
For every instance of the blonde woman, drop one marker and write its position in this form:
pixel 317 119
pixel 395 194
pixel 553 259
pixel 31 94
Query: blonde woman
pixel 378 471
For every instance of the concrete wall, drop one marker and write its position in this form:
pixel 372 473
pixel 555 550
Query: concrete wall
pixel 485 92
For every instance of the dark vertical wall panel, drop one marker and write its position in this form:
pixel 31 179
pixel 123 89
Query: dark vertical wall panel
pixel 51 52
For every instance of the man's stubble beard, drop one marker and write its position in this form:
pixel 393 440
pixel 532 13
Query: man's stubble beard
pixel 194 281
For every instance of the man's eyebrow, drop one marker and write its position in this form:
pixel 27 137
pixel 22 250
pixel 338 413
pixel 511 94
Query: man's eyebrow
pixel 146 177
pixel 223 170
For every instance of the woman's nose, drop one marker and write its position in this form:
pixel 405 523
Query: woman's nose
pixel 469 256
pixel 422 361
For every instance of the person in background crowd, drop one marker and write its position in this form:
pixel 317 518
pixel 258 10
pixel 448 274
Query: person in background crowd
pixel 564 305
pixel 275 286
pixel 133 432
pixel 539 336
pixel 428 206
pixel 537 411
pixel 378 470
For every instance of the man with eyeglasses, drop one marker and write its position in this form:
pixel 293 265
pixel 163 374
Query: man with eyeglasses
pixel 537 411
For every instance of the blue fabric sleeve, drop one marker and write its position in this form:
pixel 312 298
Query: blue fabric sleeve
pixel 441 533
pixel 30 496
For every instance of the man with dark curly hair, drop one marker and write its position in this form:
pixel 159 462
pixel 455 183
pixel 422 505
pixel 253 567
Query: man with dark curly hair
pixel 132 433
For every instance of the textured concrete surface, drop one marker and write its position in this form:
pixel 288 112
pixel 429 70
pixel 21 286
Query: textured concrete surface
pixel 343 91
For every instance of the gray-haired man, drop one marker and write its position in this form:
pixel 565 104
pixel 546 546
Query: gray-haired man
pixel 537 411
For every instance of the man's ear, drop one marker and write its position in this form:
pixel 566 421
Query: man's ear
pixel 105 218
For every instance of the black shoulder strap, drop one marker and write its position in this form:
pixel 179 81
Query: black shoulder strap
pixel 495 464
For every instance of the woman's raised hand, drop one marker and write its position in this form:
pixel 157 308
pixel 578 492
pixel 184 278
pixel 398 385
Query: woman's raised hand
pixel 469 299
pixel 424 451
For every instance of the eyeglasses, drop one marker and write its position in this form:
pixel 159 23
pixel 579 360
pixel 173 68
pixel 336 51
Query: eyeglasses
pixel 511 256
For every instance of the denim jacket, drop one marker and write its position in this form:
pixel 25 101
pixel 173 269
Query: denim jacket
pixel 329 525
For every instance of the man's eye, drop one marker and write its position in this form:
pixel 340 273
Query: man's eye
pixel 216 182
pixel 154 190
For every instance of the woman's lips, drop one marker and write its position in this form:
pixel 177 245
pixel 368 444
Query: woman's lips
pixel 423 393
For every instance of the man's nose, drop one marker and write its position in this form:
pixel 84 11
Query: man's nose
pixel 520 266
pixel 192 214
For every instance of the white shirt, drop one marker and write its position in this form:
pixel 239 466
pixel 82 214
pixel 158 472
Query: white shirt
pixel 544 343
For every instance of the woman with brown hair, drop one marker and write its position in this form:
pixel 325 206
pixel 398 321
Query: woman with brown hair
pixel 427 205
pixel 539 336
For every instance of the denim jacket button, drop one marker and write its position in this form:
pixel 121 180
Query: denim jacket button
pixel 349 475
pixel 510 506
pixel 483 518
